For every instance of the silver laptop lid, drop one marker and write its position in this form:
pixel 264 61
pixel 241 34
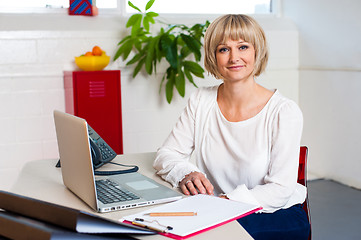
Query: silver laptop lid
pixel 75 154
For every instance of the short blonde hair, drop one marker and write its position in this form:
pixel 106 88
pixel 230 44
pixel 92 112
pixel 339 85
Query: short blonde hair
pixel 235 27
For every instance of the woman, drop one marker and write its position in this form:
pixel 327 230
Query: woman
pixel 245 138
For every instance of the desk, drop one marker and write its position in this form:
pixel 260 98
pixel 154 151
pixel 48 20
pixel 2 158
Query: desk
pixel 40 179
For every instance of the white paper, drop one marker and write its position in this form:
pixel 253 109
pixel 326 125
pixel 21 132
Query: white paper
pixel 210 211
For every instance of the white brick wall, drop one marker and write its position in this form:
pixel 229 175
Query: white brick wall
pixel 31 87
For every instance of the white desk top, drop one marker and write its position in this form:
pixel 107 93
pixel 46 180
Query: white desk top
pixel 42 180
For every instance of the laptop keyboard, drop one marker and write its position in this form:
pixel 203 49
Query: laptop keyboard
pixel 110 192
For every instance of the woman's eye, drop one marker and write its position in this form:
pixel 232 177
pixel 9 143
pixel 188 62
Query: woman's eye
pixel 243 47
pixel 222 50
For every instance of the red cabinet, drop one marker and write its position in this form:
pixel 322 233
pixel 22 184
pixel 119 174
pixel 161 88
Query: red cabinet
pixel 96 97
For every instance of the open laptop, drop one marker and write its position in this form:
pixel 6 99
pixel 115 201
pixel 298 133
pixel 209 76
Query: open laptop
pixel 78 173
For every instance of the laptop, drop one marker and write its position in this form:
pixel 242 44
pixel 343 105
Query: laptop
pixel 127 190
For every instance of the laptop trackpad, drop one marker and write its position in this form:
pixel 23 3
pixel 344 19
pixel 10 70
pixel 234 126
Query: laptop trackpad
pixel 141 185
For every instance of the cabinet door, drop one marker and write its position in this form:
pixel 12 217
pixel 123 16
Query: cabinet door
pixel 97 98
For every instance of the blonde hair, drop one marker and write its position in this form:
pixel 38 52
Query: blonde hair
pixel 235 27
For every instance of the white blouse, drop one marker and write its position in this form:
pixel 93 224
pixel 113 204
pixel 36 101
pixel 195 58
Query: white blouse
pixel 254 161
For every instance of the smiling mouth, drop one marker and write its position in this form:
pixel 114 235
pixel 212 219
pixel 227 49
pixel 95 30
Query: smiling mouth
pixel 236 67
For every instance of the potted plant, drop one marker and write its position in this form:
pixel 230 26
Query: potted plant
pixel 176 44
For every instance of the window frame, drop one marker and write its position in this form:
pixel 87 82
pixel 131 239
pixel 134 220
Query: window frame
pixel 121 6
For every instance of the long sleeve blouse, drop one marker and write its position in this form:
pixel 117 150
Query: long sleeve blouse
pixel 254 161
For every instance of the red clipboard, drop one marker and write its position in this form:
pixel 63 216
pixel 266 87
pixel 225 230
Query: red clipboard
pixel 206 219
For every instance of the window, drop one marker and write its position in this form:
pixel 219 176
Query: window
pixel 43 5
pixel 159 6
pixel 205 6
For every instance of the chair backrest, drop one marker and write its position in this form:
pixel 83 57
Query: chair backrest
pixel 302 179
pixel 302 167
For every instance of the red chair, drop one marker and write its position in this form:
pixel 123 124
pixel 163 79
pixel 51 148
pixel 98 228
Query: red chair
pixel 302 179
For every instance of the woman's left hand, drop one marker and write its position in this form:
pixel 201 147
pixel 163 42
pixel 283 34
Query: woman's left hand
pixel 195 183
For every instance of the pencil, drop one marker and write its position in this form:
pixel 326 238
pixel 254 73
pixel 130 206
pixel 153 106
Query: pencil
pixel 171 214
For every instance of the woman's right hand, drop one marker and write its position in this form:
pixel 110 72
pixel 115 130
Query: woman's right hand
pixel 194 183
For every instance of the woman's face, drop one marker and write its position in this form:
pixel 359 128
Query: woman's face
pixel 235 59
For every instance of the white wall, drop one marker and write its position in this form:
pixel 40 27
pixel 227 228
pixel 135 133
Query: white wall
pixel 330 85
pixel 36 49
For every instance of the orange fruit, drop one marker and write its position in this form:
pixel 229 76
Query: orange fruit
pixel 97 51
pixel 88 54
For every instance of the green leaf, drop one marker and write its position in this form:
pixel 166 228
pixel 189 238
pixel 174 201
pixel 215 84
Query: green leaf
pixel 158 53
pixel 185 52
pixel 117 54
pixel 124 49
pixel 149 59
pixel 128 46
pixel 194 68
pixel 134 19
pixel 166 41
pixel 138 67
pixel 136 29
pixel 180 83
pixel 133 6
pixel 173 52
pixel 149 4
pixel 196 27
pixel 146 23
pixel 161 83
pixel 149 18
pixel 193 45
pixel 138 45
pixel 135 59
pixel 170 48
pixel 190 78
pixel 169 88
pixel 124 39
pixel 152 14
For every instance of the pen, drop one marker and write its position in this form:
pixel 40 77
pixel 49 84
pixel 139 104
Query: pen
pixel 171 214
pixel 149 227
pixel 159 227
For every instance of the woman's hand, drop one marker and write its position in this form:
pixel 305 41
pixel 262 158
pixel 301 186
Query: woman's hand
pixel 195 183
